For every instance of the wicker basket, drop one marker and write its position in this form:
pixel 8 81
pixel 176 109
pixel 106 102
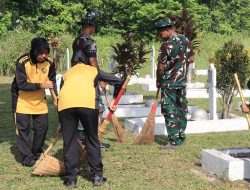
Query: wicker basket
pixel 49 166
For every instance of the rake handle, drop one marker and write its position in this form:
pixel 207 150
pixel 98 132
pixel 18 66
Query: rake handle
pixel 52 144
pixel 106 97
pixel 53 94
pixel 239 88
pixel 242 97
pixel 47 150
pixel 157 94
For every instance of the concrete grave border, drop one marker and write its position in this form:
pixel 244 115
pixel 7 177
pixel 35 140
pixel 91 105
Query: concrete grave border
pixel 225 166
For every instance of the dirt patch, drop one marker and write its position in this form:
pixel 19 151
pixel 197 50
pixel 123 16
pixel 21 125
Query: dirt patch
pixel 203 175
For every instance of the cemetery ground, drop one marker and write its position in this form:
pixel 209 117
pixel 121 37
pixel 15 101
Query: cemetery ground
pixel 126 166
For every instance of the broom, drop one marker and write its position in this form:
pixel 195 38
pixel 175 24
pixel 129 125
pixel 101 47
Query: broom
pixel 119 131
pixel 146 135
pixel 104 124
pixel 241 96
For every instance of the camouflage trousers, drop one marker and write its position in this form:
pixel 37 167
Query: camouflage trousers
pixel 174 109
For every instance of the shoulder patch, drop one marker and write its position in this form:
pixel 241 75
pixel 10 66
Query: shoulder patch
pixel 25 58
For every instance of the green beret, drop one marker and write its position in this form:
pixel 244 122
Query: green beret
pixel 163 23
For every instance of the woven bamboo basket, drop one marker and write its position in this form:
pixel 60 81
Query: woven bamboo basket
pixel 49 166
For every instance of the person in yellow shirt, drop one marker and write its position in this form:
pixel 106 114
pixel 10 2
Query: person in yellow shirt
pixel 77 102
pixel 35 72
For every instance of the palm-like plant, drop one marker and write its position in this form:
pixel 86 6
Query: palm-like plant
pixel 55 46
pixel 185 24
pixel 129 55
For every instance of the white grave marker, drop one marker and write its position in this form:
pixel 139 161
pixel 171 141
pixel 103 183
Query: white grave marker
pixel 153 62
pixel 67 57
pixel 212 92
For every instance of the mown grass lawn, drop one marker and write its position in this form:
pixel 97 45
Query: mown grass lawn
pixel 126 166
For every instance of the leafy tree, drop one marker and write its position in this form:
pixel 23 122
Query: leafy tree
pixel 12 47
pixel 48 17
pixel 5 23
pixel 230 59
pixel 59 17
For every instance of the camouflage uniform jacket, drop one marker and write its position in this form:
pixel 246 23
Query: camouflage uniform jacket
pixel 174 54
pixel 83 48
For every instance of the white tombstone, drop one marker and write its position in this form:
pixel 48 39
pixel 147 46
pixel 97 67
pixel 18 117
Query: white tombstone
pixel 212 92
pixel 67 57
pixel 189 73
pixel 153 63
pixel 112 64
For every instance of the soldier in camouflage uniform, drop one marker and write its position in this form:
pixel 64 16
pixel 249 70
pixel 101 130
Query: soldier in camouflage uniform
pixel 171 79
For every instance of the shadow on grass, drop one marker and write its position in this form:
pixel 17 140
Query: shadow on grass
pixel 15 152
pixel 110 139
pixel 198 164
pixel 84 171
pixel 161 139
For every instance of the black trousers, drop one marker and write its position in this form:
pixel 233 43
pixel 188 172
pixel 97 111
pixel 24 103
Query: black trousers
pixel 29 150
pixel 69 119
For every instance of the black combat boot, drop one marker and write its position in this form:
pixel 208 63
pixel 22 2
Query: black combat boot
pixel 70 183
pixel 99 180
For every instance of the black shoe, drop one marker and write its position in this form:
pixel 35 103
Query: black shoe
pixel 99 180
pixel 70 184
pixel 104 145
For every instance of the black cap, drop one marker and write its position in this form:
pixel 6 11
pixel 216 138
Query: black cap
pixel 88 19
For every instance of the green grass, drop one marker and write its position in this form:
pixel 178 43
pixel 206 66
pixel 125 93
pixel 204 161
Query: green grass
pixel 127 167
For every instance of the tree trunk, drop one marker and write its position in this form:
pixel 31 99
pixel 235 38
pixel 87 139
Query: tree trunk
pixel 227 103
pixel 226 111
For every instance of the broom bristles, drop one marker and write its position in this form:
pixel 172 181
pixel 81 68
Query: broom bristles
pixel 146 135
pixel 118 129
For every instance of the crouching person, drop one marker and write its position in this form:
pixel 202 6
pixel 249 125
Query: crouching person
pixel 77 101
pixel 34 72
